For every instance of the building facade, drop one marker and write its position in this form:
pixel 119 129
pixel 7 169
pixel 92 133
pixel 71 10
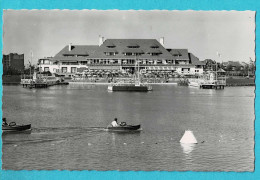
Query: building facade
pixel 13 61
pixel 122 55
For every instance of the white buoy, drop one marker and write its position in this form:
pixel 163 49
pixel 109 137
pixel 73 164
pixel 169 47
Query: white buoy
pixel 188 138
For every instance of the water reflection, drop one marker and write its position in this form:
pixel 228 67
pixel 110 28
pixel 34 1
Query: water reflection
pixel 187 148
pixel 188 156
pixel 113 139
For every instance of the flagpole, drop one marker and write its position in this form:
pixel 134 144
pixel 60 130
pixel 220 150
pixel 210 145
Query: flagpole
pixel 249 66
pixel 216 67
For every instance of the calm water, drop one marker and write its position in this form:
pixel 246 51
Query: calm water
pixel 68 128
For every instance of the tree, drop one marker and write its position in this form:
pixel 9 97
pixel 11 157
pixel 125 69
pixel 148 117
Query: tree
pixel 222 66
pixel 246 69
pixel 30 68
pixel 238 68
pixel 229 67
pixel 252 67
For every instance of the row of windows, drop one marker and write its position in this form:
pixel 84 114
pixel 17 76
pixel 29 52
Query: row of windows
pixel 63 69
pixel 115 53
pixel 75 55
pixel 74 70
pixel 133 54
pixel 134 46
pixel 116 61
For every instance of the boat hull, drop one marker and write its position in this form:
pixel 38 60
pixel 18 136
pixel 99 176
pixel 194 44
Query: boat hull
pixel 128 88
pixel 194 84
pixel 125 128
pixel 16 128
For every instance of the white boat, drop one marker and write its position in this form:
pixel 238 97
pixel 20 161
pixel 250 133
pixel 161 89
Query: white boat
pixel 194 84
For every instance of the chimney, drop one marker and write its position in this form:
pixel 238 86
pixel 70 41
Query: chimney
pixel 101 40
pixel 69 46
pixel 162 41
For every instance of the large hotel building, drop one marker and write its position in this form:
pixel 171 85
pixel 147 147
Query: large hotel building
pixel 122 55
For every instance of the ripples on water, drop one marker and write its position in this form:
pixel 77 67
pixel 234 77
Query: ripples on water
pixel 68 129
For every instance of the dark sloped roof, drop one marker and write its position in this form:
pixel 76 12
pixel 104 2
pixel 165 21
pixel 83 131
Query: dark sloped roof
pixel 132 50
pixel 110 44
pixel 183 54
pixel 154 46
pixel 76 50
pixel 144 46
pixel 195 61
pixel 154 51
pixel 120 47
pixel 110 50
pixel 133 44
pixel 64 58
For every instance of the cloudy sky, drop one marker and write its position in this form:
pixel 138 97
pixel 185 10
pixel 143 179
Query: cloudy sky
pixel 203 33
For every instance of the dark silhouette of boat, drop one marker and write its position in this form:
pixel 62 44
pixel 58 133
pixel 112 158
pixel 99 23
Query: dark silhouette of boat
pixel 128 87
pixel 125 128
pixel 13 127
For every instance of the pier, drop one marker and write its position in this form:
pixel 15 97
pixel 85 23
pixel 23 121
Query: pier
pixel 30 83
pixel 35 85
pixel 215 84
pixel 41 82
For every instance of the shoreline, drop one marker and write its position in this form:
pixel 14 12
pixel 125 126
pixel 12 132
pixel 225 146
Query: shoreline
pixel 237 85
pixel 230 82
pixel 106 83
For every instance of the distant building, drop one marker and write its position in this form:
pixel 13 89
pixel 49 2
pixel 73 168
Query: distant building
pixel 122 55
pixel 13 61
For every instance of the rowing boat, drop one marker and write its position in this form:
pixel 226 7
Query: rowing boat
pixel 125 128
pixel 16 128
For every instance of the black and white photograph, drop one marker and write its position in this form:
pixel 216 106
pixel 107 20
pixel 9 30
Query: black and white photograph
pixel 128 90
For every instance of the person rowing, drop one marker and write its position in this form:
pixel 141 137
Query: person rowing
pixel 4 122
pixel 122 126
pixel 114 123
